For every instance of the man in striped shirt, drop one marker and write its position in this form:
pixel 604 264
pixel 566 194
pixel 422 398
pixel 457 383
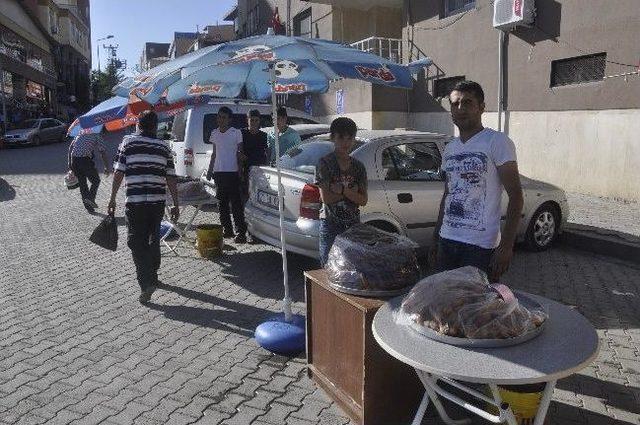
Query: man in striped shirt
pixel 146 164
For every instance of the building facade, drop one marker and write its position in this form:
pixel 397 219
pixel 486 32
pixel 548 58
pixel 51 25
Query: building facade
pixel 27 64
pixel 570 81
pixel 154 54
pixel 68 24
pixel 374 26
pixel 182 43
pixel 571 85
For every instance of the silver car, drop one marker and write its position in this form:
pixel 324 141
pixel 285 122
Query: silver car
pixel 405 186
pixel 36 132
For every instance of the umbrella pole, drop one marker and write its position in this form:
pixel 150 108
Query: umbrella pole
pixel 286 302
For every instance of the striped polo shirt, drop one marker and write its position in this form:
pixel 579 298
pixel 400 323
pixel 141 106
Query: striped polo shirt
pixel 146 163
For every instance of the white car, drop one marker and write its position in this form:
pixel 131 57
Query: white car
pixel 405 186
pixel 191 130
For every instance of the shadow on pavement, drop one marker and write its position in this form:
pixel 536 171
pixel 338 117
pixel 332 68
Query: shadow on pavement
pixel 7 192
pixel 120 221
pixel 243 316
pixel 615 395
pixel 264 278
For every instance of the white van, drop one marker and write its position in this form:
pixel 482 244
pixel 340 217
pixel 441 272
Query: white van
pixel 191 130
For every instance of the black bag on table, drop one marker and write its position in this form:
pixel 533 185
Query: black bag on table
pixel 106 234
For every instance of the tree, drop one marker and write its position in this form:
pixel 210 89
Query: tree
pixel 102 82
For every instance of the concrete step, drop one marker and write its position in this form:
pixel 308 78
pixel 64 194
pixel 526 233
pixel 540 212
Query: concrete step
pixel 616 244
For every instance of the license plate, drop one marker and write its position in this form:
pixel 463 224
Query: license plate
pixel 268 199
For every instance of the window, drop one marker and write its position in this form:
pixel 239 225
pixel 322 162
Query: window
pixel 444 86
pixel 7 85
pixel 581 69
pixel 452 7
pixel 253 19
pixel 302 24
pixel 412 162
pixel 35 90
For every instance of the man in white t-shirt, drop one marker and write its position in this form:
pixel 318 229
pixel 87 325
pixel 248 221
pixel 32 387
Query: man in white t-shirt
pixel 479 164
pixel 224 168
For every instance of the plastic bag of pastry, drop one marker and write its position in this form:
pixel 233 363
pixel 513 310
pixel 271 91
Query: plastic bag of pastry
pixel 461 303
pixel 364 258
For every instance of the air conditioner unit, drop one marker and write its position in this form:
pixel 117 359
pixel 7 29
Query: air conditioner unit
pixel 508 14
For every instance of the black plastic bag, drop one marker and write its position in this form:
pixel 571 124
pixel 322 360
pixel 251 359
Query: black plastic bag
pixel 106 234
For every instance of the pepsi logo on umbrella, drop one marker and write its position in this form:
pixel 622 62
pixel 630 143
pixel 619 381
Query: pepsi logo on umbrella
pixel 383 73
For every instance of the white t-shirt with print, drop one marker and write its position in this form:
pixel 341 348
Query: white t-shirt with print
pixel 473 205
pixel 226 149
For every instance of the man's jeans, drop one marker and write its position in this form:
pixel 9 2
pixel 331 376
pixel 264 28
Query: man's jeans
pixel 229 193
pixel 453 254
pixel 329 230
pixel 84 168
pixel 143 237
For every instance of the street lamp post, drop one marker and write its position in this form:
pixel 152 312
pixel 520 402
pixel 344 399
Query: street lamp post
pixel 98 47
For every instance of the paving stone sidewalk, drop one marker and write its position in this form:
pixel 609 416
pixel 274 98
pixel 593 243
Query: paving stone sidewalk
pixel 77 347
pixel 605 213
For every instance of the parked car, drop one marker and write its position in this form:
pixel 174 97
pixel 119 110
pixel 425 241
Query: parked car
pixel 405 186
pixel 191 130
pixel 36 131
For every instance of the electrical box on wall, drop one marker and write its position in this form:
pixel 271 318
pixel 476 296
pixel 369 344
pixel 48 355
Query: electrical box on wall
pixel 508 14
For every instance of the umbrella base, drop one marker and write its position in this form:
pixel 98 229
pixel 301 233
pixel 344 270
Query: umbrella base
pixel 282 337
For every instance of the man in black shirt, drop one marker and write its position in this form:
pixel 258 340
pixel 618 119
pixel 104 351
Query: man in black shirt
pixel 254 142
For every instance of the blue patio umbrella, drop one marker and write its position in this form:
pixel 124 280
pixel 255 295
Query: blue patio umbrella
pixel 261 67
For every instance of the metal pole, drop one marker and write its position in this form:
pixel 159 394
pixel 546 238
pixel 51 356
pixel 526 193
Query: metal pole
pixel 98 51
pixel 500 77
pixel 286 302
pixel 4 102
pixel 288 18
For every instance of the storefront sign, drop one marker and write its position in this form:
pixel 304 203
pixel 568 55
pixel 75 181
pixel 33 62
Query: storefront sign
pixel 35 90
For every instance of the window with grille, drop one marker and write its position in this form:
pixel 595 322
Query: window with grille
pixel 302 24
pixel 451 7
pixel 444 86
pixel 581 69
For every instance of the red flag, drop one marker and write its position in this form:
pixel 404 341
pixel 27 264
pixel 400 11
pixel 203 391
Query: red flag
pixel 278 28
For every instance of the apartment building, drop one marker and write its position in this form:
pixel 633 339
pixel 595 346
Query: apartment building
pixel 27 67
pixel 153 54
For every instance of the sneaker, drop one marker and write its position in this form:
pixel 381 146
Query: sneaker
pixel 228 234
pixel 90 203
pixel 145 295
pixel 241 238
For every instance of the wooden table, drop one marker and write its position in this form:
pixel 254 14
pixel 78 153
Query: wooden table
pixel 568 344
pixel 344 359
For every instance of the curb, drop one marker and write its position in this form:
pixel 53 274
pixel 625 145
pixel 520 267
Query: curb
pixel 602 241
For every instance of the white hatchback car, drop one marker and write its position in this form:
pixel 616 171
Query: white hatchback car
pixel 405 186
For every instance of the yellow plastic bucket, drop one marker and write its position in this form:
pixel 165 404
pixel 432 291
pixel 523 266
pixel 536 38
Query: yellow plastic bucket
pixel 209 240
pixel 524 402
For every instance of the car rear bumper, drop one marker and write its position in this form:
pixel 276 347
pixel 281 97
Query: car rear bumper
pixel 301 236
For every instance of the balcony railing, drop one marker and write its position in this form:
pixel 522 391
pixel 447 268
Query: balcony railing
pixel 388 48
pixel 32 62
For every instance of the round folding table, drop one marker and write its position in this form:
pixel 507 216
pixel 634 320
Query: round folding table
pixel 568 344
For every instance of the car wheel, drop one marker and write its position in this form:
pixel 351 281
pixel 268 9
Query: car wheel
pixel 543 228
pixel 36 140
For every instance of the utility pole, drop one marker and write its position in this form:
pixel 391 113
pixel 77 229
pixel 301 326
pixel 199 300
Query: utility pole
pixel 113 56
pixel 98 47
